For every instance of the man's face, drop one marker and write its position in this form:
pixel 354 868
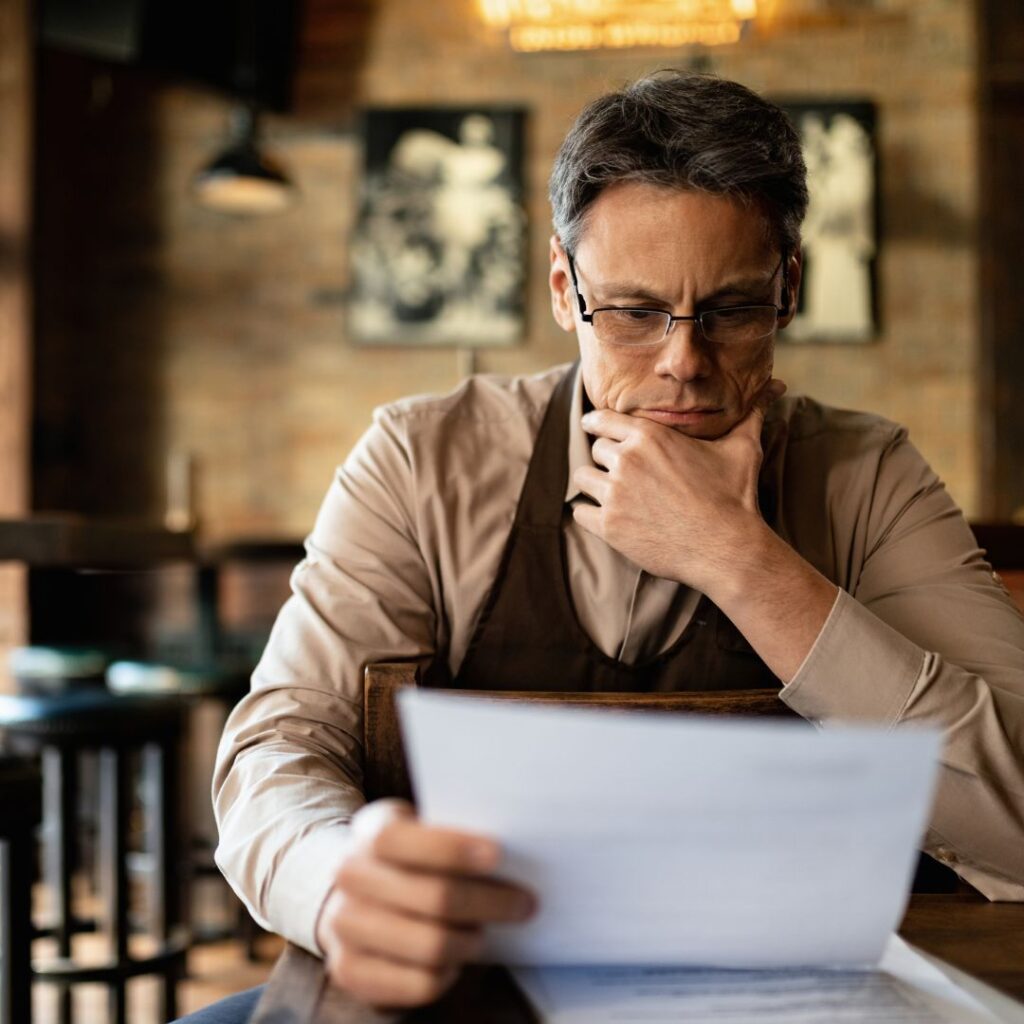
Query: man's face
pixel 683 252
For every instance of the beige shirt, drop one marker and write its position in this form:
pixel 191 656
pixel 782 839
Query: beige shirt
pixel 406 547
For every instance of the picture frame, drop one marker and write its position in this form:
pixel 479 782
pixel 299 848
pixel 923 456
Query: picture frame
pixel 838 296
pixel 439 248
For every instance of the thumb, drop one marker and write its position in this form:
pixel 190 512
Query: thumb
pixel 772 390
pixel 751 424
pixel 372 817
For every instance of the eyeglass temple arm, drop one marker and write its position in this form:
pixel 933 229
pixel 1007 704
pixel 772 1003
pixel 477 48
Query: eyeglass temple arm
pixel 576 287
pixel 784 308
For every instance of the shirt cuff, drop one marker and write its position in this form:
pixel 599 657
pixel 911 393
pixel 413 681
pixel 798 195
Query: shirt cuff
pixel 303 881
pixel 859 669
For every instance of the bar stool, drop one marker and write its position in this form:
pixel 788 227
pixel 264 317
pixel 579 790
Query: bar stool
pixel 59 729
pixel 214 685
pixel 20 803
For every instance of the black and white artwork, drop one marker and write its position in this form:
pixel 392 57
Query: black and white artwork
pixel 837 301
pixel 439 248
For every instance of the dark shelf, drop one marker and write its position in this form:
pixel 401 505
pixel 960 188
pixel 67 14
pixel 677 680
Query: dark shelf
pixel 251 549
pixel 75 543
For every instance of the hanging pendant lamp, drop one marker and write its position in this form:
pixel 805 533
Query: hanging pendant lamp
pixel 243 180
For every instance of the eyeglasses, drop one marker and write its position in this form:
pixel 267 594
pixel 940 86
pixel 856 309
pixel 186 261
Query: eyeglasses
pixel 730 325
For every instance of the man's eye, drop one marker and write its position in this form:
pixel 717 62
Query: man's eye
pixel 639 315
pixel 730 313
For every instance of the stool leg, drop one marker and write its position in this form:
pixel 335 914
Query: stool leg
pixel 250 932
pixel 160 771
pixel 60 789
pixel 16 871
pixel 207 594
pixel 9 975
pixel 115 808
pixel 173 878
pixel 169 993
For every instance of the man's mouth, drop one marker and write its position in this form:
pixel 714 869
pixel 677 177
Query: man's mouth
pixel 678 417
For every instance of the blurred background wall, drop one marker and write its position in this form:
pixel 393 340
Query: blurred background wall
pixel 15 295
pixel 161 326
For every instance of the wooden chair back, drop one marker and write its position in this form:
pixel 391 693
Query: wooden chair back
pixel 1003 544
pixel 384 768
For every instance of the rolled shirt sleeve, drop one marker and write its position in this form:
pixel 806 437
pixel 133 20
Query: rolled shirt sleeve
pixel 928 635
pixel 289 767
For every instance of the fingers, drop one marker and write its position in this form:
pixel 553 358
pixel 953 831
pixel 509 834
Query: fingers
pixel 376 929
pixel 592 481
pixel 390 830
pixel 605 452
pixel 412 845
pixel 409 905
pixel 372 817
pixel 451 899
pixel 752 423
pixel 773 390
pixel 382 982
pixel 607 423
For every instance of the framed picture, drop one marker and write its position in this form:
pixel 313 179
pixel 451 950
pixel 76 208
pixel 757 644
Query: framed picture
pixel 838 296
pixel 438 252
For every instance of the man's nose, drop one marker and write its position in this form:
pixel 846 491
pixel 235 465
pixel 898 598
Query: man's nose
pixel 684 352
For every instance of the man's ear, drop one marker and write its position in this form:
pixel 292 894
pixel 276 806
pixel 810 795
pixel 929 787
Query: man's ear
pixel 794 275
pixel 562 295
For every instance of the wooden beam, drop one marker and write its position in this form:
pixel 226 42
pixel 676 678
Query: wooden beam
pixel 1001 242
pixel 15 302
pixel 70 542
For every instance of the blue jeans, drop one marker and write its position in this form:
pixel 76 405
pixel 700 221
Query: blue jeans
pixel 236 1009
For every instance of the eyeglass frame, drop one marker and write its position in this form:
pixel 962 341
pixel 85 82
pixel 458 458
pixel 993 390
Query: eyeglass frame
pixel 697 319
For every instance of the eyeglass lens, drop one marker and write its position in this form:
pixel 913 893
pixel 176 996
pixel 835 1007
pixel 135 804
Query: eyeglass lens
pixel 733 326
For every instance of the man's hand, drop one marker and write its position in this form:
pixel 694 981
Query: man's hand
pixel 676 506
pixel 408 907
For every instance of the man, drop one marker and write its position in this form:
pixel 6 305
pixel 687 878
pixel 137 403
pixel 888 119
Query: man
pixel 657 518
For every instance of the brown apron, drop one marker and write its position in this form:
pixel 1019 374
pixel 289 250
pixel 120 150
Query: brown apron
pixel 528 636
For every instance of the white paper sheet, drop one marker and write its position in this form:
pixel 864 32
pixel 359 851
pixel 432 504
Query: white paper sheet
pixel 904 989
pixel 662 839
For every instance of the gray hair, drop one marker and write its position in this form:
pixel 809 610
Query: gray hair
pixel 686 131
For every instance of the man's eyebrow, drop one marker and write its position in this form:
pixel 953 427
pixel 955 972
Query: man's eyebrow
pixel 747 286
pixel 752 286
pixel 627 290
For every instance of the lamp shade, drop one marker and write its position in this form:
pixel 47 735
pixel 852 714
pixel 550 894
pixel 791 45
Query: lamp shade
pixel 243 180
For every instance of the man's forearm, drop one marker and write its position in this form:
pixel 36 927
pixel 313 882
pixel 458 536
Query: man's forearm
pixel 284 790
pixel 776 599
pixel 862 670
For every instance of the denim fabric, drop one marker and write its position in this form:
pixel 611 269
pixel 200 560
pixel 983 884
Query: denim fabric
pixel 236 1009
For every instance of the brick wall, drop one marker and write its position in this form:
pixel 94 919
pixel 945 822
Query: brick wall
pixel 227 337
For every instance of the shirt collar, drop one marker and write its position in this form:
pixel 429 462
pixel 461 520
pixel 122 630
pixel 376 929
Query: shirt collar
pixel 579 440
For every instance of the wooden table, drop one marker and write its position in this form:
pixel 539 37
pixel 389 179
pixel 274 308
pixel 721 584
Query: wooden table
pixel 984 939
